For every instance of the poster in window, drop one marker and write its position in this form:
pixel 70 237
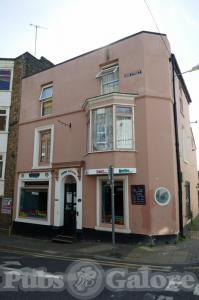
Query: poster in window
pixel 138 194
pixel 6 206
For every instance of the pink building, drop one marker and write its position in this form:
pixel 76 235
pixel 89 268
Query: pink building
pixel 125 105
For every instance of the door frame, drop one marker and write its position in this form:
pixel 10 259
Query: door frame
pixel 59 196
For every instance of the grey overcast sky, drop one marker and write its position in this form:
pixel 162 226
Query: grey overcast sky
pixel 77 26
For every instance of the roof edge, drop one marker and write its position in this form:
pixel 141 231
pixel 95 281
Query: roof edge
pixel 100 48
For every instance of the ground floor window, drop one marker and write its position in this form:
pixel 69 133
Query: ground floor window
pixel 106 202
pixel 34 200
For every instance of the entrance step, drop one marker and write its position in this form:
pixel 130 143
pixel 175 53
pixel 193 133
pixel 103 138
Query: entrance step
pixel 67 239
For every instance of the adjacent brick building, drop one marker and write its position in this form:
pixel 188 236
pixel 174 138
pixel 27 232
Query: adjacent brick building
pixel 10 100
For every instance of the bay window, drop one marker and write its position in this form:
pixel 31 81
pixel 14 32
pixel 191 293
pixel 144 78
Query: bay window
pixel 102 133
pixel 112 128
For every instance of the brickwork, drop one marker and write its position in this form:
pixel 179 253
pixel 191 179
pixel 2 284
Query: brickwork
pixel 25 65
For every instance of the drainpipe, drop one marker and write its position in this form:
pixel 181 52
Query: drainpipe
pixel 179 172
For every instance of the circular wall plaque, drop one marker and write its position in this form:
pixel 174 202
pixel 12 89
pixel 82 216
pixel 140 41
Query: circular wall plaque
pixel 162 196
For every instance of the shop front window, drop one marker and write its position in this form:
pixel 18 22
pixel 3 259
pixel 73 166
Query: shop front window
pixel 106 212
pixel 34 200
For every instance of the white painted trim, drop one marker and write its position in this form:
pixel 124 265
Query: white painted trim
pixel 115 97
pixel 59 197
pixel 21 182
pixel 166 190
pixel 99 225
pixel 36 146
pixel 7 114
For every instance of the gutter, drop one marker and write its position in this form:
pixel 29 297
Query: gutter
pixel 179 172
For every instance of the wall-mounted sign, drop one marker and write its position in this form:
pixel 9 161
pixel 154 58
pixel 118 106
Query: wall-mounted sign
pixel 138 194
pixel 133 74
pixel 6 206
pixel 69 171
pixel 34 175
pixel 162 196
pixel 117 171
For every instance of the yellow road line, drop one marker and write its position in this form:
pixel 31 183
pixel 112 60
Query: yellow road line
pixel 102 262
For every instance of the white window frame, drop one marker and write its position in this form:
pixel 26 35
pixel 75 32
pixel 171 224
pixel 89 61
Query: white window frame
pixel 109 69
pixel 7 109
pixel 3 166
pixel 42 100
pixel 107 227
pixel 11 79
pixel 114 128
pixel 36 152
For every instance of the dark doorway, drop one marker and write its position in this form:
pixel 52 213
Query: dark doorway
pixel 70 208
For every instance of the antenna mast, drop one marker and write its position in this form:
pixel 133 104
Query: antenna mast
pixel 36 28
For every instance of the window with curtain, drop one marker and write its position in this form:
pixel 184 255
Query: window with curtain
pixel 124 127
pixel 102 128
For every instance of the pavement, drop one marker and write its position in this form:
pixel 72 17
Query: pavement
pixel 183 252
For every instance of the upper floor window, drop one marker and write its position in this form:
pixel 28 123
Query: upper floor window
pixel 46 100
pixel 124 127
pixel 5 76
pixel 1 166
pixel 109 79
pixel 3 119
pixel 45 147
pixel 112 128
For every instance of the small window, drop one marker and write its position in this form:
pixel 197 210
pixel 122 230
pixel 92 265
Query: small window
pixel 3 118
pixel 45 147
pixel 46 100
pixel 5 76
pixel 109 79
pixel 1 166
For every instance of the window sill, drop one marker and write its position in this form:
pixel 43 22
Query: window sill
pixel 4 131
pixel 116 150
pixel 32 221
pixel 119 230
